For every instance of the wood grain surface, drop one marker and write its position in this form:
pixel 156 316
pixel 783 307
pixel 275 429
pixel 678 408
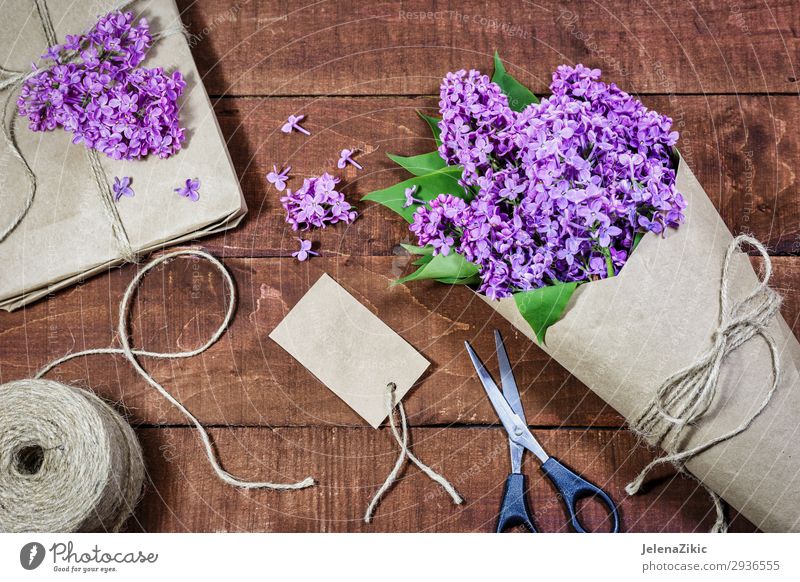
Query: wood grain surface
pixel 350 464
pixel 725 71
pixel 352 47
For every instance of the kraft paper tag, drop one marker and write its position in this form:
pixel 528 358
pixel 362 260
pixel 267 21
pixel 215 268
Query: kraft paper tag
pixel 349 349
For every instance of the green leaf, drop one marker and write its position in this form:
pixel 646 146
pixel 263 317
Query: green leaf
pixel 421 164
pixel 429 186
pixel 519 96
pixel 542 307
pixel 609 262
pixel 426 253
pixel 472 280
pixel 415 250
pixel 448 267
pixel 433 123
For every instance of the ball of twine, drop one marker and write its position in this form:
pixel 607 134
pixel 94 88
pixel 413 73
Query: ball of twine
pixel 68 461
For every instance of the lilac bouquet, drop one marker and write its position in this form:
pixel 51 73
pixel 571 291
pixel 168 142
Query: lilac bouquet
pixel 530 198
pixel 93 86
pixel 578 221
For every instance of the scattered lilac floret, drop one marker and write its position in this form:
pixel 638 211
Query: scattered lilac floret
pixel 190 189
pixel 293 124
pixel 560 189
pixel 122 187
pixel 278 179
pixel 346 157
pixel 317 204
pixel 305 251
pixel 410 199
pixel 93 87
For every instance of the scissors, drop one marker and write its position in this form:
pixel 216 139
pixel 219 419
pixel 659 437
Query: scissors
pixel 571 487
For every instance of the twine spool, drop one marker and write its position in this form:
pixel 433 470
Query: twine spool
pixel 68 461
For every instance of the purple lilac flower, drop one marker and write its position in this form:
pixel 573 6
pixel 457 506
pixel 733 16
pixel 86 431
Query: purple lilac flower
pixel 346 157
pixel 410 199
pixel 190 189
pixel 475 113
pixel 437 225
pixel 92 86
pixel 316 204
pixel 305 251
pixel 278 179
pixel 122 187
pixel 560 189
pixel 293 124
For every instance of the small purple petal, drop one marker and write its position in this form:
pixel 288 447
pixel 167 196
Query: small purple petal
pixel 305 251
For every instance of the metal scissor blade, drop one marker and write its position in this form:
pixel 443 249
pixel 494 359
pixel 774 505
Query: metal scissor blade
pixel 515 427
pixel 507 381
pixel 511 394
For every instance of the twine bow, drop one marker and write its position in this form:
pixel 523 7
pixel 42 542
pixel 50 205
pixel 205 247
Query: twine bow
pixel 685 397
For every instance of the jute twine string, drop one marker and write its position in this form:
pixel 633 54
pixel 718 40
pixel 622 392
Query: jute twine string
pixel 11 81
pixel 685 397
pixel 85 442
pixel 401 436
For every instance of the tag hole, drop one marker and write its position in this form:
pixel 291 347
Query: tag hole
pixel 29 459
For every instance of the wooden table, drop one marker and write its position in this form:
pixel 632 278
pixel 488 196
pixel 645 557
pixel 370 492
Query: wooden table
pixel 358 71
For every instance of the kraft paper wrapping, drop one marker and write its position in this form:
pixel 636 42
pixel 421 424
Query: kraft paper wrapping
pixel 66 235
pixel 624 336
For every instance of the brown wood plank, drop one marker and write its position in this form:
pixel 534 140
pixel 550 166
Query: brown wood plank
pixel 351 463
pixel 358 47
pixel 246 379
pixel 742 149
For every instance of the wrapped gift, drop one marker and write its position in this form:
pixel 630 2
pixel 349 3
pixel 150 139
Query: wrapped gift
pixel 58 208
pixel 625 335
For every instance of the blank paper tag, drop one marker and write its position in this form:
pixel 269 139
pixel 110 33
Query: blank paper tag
pixel 349 349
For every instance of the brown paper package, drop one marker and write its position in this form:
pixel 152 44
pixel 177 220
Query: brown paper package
pixel 66 235
pixel 624 336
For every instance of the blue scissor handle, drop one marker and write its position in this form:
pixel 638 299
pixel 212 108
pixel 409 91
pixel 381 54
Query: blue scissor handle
pixel 572 488
pixel 514 509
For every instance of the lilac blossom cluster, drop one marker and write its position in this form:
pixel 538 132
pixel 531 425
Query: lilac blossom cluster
pixel 92 86
pixel 559 190
pixel 317 204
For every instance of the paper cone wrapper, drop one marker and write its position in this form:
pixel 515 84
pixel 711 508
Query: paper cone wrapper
pixel 625 335
pixel 66 235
